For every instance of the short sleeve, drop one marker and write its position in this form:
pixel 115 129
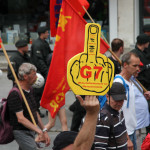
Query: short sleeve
pixel 14 102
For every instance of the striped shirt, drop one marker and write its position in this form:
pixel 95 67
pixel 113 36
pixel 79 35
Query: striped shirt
pixel 110 130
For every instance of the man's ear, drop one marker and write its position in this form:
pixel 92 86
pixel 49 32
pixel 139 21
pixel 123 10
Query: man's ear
pixel 121 49
pixel 25 77
pixel 125 65
pixel 107 96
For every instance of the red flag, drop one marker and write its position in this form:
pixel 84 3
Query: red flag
pixel 85 3
pixel 77 5
pixel 69 42
pixel 103 46
pixel 55 6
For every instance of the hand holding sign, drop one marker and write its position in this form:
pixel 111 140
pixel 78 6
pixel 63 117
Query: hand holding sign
pixel 90 72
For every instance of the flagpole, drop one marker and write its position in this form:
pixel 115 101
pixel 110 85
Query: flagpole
pixel 144 89
pixel 17 82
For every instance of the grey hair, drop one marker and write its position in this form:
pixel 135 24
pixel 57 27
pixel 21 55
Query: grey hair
pixel 126 57
pixel 25 69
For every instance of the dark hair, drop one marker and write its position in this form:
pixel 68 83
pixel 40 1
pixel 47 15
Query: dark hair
pixel 142 39
pixel 116 44
pixel 126 57
pixel 41 30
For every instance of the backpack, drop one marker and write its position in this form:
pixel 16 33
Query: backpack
pixel 6 130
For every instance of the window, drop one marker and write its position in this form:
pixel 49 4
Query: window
pixel 19 19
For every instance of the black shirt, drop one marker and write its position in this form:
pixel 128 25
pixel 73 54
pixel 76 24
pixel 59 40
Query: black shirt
pixel 144 75
pixel 40 51
pixel 16 60
pixel 117 65
pixel 15 104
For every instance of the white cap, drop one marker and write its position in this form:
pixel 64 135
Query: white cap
pixel 39 81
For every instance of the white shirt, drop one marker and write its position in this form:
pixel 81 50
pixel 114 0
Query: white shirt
pixel 141 108
pixel 129 113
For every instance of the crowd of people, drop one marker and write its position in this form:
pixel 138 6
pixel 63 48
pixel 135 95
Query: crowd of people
pixel 112 126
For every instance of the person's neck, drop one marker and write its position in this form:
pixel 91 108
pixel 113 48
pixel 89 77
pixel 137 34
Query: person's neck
pixel 117 54
pixel 140 47
pixel 42 38
pixel 20 51
pixel 24 86
pixel 125 75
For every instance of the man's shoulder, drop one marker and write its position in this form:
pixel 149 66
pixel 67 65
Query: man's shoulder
pixel 136 51
pixel 37 42
pixel 105 115
pixel 111 58
pixel 15 56
pixel 14 93
pixel 119 78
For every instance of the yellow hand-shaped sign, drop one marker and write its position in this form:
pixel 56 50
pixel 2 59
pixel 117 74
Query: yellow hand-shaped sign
pixel 90 72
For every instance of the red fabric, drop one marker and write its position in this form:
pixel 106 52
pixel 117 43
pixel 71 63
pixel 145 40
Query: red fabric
pixel 146 143
pixel 0 42
pixel 55 6
pixel 77 5
pixel 141 64
pixel 69 42
pixel 103 46
pixel 85 3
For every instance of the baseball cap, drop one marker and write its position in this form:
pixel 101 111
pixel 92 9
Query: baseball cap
pixel 117 91
pixel 21 43
pixel 142 39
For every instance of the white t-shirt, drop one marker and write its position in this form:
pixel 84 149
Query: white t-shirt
pixel 141 108
pixel 129 113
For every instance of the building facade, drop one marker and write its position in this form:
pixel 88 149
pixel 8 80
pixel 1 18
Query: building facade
pixel 119 19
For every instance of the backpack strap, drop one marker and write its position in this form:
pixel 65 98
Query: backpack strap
pixel 17 90
pixel 125 86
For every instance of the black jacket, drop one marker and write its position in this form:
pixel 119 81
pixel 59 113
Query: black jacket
pixel 39 52
pixel 16 60
pixel 144 75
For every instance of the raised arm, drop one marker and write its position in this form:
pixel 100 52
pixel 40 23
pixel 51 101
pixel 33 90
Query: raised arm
pixel 85 138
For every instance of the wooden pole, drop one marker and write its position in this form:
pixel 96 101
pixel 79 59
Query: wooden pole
pixel 144 89
pixel 17 82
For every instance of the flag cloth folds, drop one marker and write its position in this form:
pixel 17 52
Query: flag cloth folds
pixel 69 42
pixel 55 6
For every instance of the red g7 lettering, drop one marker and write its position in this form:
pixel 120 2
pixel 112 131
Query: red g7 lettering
pixel 88 73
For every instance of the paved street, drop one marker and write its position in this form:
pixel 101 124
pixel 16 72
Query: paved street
pixel 5 86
